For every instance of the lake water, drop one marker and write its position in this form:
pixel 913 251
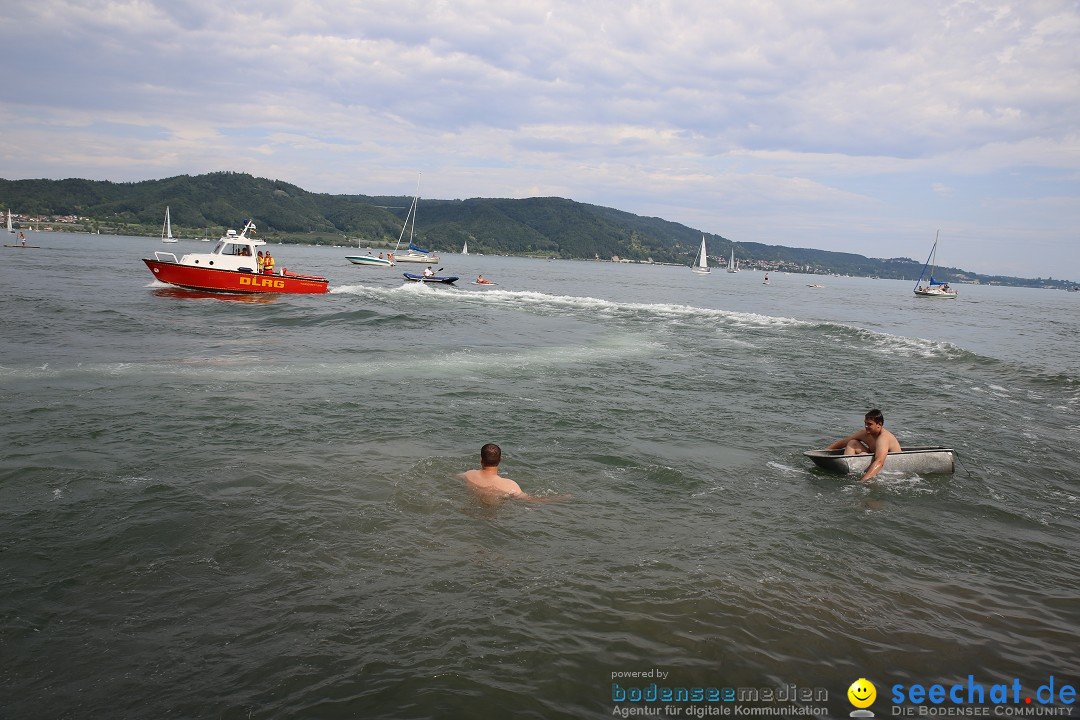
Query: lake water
pixel 212 507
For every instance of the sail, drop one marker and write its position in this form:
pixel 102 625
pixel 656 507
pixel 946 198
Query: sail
pixel 701 262
pixel 413 248
pixel 9 221
pixel 465 248
pixel 166 228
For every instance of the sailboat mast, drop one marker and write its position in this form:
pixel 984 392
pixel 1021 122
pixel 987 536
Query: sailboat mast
pixel 409 216
pixel 405 225
pixel 931 256
pixel 416 206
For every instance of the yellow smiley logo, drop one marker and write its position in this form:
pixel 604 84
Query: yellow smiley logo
pixel 862 693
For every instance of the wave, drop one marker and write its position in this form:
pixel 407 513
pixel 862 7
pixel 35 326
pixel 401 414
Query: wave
pixel 896 345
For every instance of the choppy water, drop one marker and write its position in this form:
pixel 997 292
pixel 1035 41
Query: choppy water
pixel 221 508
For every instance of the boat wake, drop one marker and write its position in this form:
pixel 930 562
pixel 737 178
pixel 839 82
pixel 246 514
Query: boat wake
pixel 546 304
pixel 671 315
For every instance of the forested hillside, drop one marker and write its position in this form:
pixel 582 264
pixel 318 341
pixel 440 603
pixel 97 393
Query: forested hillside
pixel 205 205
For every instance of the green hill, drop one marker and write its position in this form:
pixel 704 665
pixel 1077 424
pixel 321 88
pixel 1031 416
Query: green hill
pixel 205 205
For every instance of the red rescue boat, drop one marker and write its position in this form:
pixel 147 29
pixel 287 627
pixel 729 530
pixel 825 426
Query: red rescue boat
pixel 232 267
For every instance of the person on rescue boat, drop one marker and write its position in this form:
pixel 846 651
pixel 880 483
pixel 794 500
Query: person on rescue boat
pixel 268 263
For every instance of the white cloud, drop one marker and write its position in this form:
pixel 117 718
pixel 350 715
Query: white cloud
pixel 823 123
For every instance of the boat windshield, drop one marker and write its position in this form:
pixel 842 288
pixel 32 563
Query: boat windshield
pixel 228 248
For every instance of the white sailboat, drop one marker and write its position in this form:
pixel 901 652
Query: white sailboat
pixel 934 288
pixel 731 266
pixel 415 254
pixel 166 229
pixel 702 266
pixel 465 248
pixel 9 221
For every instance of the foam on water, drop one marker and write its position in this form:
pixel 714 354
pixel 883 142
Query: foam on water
pixel 590 306
pixel 240 369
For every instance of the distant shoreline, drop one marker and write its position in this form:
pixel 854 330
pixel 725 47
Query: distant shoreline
pixel 204 206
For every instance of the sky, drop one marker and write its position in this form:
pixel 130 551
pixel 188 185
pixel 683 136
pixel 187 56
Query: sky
pixel 862 127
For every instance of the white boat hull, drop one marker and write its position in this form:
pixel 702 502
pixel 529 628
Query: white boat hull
pixel 368 260
pixel 933 293
pixel 412 257
pixel 914 459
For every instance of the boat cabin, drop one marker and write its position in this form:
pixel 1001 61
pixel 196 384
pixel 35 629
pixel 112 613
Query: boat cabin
pixel 232 252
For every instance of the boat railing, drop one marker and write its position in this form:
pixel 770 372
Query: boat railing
pixel 163 256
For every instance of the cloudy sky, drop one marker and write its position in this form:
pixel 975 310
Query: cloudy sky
pixel 834 124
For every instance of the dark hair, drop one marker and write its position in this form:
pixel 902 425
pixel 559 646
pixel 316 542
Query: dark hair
pixel 876 416
pixel 490 455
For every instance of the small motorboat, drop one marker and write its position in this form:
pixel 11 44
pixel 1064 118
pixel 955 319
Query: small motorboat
pixel 921 460
pixel 231 267
pixel 369 259
pixel 446 279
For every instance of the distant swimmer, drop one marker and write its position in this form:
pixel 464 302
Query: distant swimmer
pixel 490 486
pixel 873 438
pixel 480 280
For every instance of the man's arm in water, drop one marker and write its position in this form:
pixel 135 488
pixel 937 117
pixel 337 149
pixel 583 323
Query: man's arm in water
pixel 881 453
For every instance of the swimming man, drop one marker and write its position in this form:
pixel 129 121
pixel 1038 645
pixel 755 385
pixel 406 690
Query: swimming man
pixel 490 486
